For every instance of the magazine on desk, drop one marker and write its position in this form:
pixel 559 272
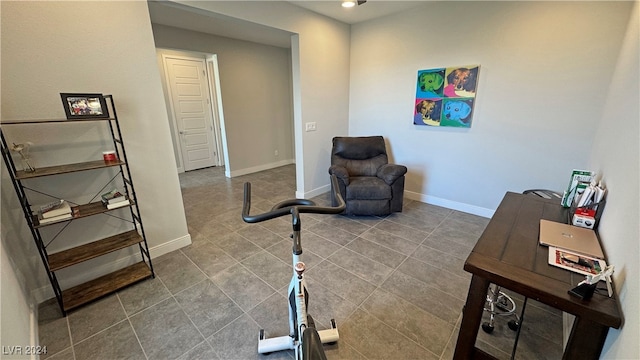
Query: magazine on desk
pixel 580 264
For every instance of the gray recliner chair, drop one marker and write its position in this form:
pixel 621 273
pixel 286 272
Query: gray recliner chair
pixel 368 183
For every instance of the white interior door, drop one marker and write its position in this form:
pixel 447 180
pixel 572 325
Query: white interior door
pixel 188 86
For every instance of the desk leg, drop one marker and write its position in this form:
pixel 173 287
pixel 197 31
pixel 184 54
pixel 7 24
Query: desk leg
pixel 586 340
pixel 471 318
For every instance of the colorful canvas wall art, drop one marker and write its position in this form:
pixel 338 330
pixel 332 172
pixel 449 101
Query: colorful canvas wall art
pixel 445 96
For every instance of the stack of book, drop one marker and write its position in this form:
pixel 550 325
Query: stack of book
pixel 592 195
pixel 54 211
pixel 114 199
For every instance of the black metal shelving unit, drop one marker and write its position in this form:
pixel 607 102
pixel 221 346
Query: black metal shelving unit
pixel 79 295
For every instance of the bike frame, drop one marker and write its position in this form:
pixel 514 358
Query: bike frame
pixel 298 301
pixel 297 307
pixel 297 291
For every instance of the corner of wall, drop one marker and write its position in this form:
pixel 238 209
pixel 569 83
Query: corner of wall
pixel 19 322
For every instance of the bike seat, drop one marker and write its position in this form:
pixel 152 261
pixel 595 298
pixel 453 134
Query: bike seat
pixel 311 345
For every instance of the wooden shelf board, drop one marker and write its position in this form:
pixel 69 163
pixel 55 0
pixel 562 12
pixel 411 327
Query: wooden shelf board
pixel 94 289
pixel 93 209
pixel 80 211
pixel 92 250
pixel 45 121
pixel 67 168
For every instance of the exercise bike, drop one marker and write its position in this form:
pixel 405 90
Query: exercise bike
pixel 303 337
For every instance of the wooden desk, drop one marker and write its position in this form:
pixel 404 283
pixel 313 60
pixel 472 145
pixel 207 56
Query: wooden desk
pixel 508 254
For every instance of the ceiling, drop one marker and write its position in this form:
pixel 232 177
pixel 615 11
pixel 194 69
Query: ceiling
pixel 372 9
pixel 185 17
pixel 189 18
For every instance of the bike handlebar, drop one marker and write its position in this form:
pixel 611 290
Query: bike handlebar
pixel 292 206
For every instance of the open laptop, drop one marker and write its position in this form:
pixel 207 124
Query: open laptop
pixel 564 236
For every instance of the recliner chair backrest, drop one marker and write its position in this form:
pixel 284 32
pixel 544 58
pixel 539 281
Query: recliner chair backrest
pixel 362 156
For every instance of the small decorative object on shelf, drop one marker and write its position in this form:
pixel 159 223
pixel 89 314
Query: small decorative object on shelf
pixel 109 155
pixel 23 150
pixel 80 106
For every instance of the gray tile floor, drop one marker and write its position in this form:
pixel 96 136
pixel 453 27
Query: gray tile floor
pixel 395 285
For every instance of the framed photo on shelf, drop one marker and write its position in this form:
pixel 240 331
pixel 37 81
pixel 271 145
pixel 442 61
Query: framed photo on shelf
pixel 84 106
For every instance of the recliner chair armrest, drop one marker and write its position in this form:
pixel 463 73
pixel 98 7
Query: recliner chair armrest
pixel 340 172
pixel 391 172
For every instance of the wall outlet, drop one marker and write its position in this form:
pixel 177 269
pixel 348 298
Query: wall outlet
pixel 275 153
pixel 310 126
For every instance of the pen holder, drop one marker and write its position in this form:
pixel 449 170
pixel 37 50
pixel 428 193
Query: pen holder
pixel 598 207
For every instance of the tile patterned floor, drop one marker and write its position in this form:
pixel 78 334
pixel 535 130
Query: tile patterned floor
pixel 395 285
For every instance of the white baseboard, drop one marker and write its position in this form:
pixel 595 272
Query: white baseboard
pixel 255 169
pixel 46 292
pixel 313 193
pixel 33 320
pixel 449 204
pixel 433 200
pixel 170 246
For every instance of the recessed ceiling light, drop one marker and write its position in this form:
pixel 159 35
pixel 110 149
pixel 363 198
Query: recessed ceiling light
pixel 348 3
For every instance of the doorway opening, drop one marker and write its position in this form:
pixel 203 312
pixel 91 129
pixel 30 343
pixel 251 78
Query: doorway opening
pixel 192 91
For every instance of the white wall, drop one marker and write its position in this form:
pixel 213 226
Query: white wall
pixel 320 52
pixel 553 95
pixel 21 270
pixel 616 155
pixel 17 309
pixel 521 118
pixel 255 82
pixel 47 48
pixel 543 80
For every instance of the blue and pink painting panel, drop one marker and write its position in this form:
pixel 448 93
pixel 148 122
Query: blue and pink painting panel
pixel 445 96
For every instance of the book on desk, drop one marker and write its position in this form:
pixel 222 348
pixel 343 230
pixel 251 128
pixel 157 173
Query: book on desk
pixel 577 263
